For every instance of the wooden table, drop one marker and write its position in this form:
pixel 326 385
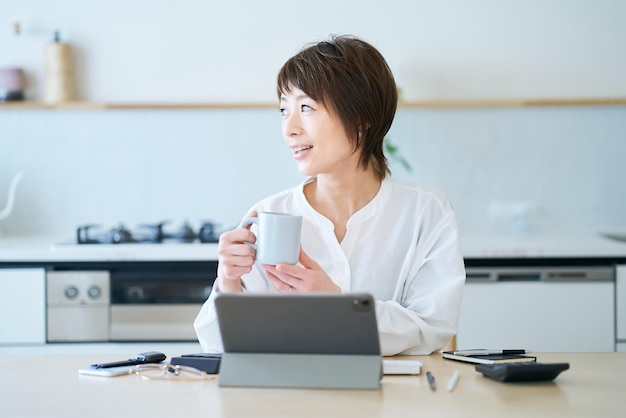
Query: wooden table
pixel 50 386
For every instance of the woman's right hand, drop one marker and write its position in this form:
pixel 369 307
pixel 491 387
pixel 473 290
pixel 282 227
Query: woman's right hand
pixel 235 258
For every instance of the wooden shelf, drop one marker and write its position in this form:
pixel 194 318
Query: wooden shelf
pixel 617 101
pixel 131 105
pixel 436 104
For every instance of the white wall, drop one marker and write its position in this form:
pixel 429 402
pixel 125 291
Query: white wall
pixel 149 165
pixel 199 50
pixel 146 166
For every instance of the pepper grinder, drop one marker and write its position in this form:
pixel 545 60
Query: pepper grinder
pixel 59 78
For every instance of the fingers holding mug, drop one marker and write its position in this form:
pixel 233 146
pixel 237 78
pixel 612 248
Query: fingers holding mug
pixel 277 283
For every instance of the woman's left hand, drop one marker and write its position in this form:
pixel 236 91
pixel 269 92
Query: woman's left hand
pixel 307 277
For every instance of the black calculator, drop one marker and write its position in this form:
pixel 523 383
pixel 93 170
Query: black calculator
pixel 528 371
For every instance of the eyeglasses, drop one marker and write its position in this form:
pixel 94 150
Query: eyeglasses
pixel 169 372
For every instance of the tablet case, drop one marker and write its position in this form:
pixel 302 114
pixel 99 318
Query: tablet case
pixel 314 340
pixel 207 362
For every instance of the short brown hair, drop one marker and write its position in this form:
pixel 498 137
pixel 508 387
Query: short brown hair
pixel 350 77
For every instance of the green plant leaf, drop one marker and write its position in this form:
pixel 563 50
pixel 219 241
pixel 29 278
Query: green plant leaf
pixel 393 152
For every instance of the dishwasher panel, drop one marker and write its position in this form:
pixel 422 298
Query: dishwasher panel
pixel 538 309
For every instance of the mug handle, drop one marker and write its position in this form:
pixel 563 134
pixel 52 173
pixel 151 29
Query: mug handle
pixel 244 224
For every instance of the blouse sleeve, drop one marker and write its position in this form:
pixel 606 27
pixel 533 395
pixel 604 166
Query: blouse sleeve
pixel 423 317
pixel 206 326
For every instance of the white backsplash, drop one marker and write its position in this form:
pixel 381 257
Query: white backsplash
pixel 509 170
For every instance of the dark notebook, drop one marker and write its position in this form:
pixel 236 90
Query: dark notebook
pixel 490 358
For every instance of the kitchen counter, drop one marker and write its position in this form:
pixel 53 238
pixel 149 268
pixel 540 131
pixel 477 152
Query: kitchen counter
pixel 53 249
pixel 567 244
pixel 562 244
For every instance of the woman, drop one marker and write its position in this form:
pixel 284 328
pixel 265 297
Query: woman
pixel 362 231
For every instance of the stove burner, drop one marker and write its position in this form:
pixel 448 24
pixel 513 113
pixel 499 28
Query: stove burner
pixel 207 233
pixel 120 234
pixel 145 233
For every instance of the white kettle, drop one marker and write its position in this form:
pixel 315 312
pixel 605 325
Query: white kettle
pixel 11 195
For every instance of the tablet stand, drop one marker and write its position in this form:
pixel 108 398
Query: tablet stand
pixel 336 371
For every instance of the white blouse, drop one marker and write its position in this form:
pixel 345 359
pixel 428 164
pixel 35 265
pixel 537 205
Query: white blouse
pixel 402 248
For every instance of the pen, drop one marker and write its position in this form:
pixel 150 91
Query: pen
pixel 431 380
pixel 453 380
pixel 148 357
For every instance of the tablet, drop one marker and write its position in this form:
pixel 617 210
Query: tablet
pixel 298 323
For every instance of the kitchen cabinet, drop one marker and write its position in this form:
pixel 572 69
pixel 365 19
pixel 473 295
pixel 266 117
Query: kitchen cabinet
pixel 538 315
pixel 22 306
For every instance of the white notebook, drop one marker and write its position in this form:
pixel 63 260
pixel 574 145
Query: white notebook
pixel 402 366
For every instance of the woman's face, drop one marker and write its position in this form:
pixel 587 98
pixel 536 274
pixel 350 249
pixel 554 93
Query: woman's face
pixel 315 136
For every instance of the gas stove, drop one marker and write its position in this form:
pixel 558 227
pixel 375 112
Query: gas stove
pixel 149 233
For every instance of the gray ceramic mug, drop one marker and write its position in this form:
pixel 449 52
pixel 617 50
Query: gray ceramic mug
pixel 277 238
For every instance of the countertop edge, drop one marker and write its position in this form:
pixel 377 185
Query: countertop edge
pixel 570 244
